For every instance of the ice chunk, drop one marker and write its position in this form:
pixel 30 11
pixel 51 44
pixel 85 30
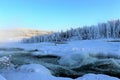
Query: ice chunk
pixel 76 59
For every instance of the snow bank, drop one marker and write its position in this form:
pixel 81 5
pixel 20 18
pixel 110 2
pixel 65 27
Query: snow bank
pixel 31 72
pixel 34 68
pixel 2 78
pixel 96 77
pixel 31 76
pixel 38 76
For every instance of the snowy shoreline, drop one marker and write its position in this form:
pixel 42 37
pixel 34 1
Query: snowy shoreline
pixel 91 53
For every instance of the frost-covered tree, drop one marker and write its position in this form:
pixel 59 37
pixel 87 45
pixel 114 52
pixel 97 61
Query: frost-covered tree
pixel 111 29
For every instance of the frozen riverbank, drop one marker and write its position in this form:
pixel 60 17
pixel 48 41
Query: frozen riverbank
pixel 73 59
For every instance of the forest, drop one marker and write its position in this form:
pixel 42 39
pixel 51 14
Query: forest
pixel 110 29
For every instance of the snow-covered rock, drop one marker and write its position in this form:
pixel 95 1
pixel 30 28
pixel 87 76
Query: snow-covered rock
pixel 5 62
pixel 34 68
pixel 4 59
pixel 13 75
pixel 96 77
pixel 2 78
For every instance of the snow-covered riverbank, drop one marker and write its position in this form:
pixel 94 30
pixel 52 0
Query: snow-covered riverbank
pixel 101 55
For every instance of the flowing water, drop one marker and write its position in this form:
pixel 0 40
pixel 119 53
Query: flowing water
pixel 109 65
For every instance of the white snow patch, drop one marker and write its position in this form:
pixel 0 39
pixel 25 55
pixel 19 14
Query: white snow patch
pixel 96 77
pixel 12 75
pixel 34 68
pixel 2 78
pixel 31 76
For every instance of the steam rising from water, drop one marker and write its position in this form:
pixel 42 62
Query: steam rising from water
pixel 5 35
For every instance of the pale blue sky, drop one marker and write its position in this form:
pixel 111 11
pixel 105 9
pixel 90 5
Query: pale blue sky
pixel 56 14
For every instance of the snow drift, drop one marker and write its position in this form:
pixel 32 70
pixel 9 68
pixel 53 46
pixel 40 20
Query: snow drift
pixel 2 78
pixel 34 68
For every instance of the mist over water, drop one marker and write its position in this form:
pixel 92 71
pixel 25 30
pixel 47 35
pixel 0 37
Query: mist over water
pixel 5 35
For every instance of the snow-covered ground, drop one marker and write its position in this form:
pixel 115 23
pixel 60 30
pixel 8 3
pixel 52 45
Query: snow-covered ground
pixel 73 54
pixel 71 47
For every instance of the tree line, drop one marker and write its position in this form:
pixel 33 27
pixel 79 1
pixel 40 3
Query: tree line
pixel 110 29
